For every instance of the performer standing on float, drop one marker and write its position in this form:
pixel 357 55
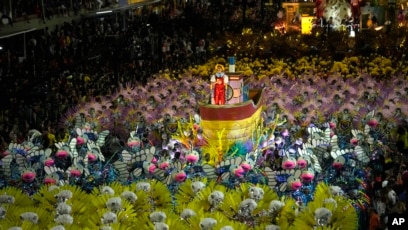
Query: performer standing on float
pixel 355 9
pixel 220 82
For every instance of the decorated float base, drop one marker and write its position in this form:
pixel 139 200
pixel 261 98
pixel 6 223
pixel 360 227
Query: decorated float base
pixel 232 123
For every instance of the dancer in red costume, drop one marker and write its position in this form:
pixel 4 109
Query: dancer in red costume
pixel 220 82
pixel 320 4
pixel 355 9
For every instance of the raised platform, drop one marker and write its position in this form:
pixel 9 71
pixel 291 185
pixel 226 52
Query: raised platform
pixel 237 122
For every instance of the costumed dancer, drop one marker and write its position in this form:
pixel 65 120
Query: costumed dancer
pixel 319 8
pixel 220 82
pixel 355 9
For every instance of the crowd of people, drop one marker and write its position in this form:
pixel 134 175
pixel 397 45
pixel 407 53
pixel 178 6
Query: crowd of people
pixel 92 57
pixel 24 10
pixel 76 61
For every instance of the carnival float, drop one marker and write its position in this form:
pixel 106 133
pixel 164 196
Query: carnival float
pixel 295 143
pixel 237 115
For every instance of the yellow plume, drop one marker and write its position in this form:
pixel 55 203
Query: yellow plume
pixel 20 199
pixel 344 216
pixel 288 214
pixel 214 152
pixel 185 194
pixel 160 195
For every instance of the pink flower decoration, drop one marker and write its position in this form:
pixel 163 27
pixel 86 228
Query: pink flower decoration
pixel 92 157
pixel 154 160
pixel 180 176
pixel 288 164
pixel 239 171
pixel 151 168
pixel 331 134
pixel 296 185
pixel 332 125
pixel 49 181
pixel 302 163
pixel 62 154
pixel 372 123
pixel 28 177
pixel 49 162
pixel 192 159
pixel 354 141
pixel 75 173
pixel 245 166
pixel 133 143
pixel 307 176
pixel 337 165
pixel 164 165
pixel 80 140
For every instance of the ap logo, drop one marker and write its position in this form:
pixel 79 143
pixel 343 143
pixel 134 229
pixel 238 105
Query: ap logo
pixel 396 222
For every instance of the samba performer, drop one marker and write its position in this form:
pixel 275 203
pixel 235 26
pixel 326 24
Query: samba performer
pixel 355 9
pixel 220 83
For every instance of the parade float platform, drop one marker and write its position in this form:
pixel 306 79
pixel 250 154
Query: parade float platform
pixel 235 122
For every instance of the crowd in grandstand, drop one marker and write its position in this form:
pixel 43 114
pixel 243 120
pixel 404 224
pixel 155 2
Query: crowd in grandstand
pixel 92 57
